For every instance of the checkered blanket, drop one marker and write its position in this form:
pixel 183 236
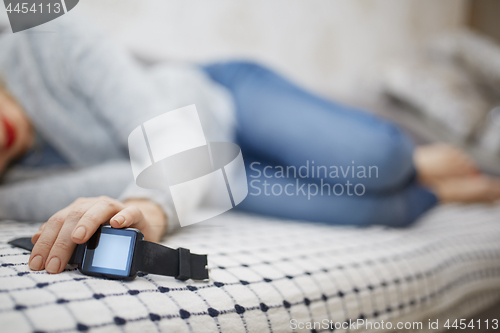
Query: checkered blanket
pixel 273 276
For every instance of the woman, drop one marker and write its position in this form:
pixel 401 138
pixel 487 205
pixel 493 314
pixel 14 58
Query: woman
pixel 71 99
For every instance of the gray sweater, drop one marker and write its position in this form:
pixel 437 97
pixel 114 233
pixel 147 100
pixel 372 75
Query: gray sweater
pixel 84 96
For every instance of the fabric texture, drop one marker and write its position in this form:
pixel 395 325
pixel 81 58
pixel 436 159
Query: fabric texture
pixel 265 273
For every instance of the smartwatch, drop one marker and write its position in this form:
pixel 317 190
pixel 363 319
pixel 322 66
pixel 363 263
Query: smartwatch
pixel 122 253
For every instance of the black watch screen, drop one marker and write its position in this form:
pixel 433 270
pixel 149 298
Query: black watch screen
pixel 110 252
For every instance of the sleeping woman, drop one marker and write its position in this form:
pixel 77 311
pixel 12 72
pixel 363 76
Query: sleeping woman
pixel 70 98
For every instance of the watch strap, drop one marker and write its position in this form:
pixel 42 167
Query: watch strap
pixel 77 256
pixel 25 243
pixel 150 258
pixel 158 259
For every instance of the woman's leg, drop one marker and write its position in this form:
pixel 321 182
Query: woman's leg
pixel 283 122
pixel 294 198
pixel 280 122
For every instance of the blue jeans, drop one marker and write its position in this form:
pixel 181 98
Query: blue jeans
pixel 282 127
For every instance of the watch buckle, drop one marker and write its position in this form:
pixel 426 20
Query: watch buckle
pixel 208 278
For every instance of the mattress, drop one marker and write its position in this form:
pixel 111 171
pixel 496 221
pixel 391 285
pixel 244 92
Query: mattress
pixel 272 275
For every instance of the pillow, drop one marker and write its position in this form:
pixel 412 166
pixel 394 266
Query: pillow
pixel 476 53
pixel 440 90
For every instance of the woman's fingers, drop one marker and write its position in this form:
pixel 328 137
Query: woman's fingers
pixel 61 250
pixel 56 239
pixel 81 223
pixel 96 215
pixel 38 233
pixel 35 237
pixel 46 239
pixel 49 233
pixel 63 246
pixel 144 215
pixel 131 216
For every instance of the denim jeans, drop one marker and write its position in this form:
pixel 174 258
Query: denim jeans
pixel 281 126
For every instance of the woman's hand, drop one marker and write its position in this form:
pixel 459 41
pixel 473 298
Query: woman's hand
pixel 56 239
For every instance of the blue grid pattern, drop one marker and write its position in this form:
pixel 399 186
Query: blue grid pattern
pixel 265 273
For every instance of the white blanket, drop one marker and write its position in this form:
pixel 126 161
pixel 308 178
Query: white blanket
pixel 274 276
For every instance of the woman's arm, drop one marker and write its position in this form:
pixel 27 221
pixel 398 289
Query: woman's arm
pixel 122 96
pixel 74 195
pixel 39 198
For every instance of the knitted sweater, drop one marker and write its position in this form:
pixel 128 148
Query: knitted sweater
pixel 84 96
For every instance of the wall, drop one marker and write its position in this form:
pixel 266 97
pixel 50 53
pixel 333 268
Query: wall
pixel 327 45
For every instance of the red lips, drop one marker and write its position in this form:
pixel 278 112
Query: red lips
pixel 10 133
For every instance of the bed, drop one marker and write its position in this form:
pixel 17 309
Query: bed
pixel 276 276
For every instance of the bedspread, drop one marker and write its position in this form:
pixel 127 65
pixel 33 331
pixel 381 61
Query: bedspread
pixel 270 275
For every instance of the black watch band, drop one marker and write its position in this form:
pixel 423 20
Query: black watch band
pixel 149 258
pixel 158 259
pixel 23 243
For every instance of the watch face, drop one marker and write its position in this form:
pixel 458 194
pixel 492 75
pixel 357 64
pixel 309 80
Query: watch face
pixel 109 252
